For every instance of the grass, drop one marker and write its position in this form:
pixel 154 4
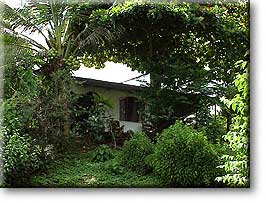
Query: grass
pixel 80 171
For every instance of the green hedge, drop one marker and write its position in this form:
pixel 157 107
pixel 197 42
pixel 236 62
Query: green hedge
pixel 184 158
pixel 135 151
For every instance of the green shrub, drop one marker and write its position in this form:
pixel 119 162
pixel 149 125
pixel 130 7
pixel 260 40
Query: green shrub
pixel 135 151
pixel 102 153
pixel 114 166
pixel 183 157
pixel 21 158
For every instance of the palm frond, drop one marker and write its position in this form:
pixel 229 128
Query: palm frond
pixel 19 21
pixel 93 38
pixel 96 37
pixel 54 21
pixel 13 42
pixel 35 45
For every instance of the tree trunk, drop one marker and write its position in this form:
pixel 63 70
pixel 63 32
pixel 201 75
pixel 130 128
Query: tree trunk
pixel 66 117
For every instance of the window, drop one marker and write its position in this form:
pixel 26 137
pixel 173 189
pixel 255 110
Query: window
pixel 129 107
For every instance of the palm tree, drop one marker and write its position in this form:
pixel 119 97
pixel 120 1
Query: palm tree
pixel 53 22
pixel 61 46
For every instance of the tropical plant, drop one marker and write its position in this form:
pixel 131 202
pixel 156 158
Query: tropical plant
pixel 55 22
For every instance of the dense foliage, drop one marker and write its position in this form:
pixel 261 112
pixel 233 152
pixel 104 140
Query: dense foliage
pixel 135 151
pixel 37 108
pixel 189 50
pixel 236 165
pixel 19 154
pixel 184 158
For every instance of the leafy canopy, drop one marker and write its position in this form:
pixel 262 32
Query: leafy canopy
pixel 189 45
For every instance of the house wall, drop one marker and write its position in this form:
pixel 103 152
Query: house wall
pixel 131 126
pixel 113 96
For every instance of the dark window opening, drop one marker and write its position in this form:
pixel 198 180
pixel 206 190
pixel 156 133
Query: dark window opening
pixel 129 109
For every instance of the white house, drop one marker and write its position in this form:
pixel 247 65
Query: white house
pixel 110 84
pixel 122 97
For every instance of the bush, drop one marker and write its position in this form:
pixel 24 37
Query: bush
pixel 135 151
pixel 21 158
pixel 102 153
pixel 183 157
pixel 114 166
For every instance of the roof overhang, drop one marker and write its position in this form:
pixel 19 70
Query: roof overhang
pixel 108 85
